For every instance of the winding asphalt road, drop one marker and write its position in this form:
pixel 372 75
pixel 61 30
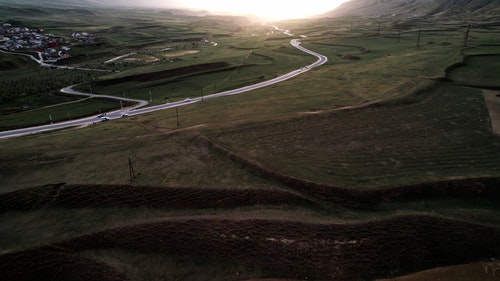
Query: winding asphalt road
pixel 140 108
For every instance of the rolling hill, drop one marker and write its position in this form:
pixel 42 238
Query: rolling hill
pixel 85 3
pixel 416 8
pixel 79 4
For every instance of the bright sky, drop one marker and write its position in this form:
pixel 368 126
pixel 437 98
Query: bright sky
pixel 268 9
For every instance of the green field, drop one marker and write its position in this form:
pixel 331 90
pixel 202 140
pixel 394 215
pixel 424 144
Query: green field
pixel 160 42
pixel 383 145
pixel 479 71
pixel 359 169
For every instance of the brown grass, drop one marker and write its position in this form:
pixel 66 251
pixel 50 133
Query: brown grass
pixel 286 249
pixel 485 271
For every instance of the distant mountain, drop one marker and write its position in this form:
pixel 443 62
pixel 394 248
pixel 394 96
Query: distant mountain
pixel 416 8
pixel 171 5
pixel 82 3
pixel 90 3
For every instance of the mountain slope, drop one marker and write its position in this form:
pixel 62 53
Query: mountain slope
pixel 416 8
pixel 82 3
pixel 88 3
pixel 35 5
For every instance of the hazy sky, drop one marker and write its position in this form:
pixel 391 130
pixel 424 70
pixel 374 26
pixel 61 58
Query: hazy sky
pixel 270 9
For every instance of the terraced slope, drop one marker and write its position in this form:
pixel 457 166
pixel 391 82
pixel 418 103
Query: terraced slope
pixel 152 239
pixel 439 133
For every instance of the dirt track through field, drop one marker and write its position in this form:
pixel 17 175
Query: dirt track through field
pixel 178 54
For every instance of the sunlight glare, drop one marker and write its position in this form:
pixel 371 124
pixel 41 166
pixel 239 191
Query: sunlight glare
pixel 269 10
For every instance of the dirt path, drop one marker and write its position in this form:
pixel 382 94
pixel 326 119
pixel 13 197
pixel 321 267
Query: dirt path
pixel 182 53
pixel 492 99
pixel 119 57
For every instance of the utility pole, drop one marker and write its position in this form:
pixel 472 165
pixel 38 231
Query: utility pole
pixel 466 37
pixel 50 119
pixel 69 116
pixel 201 94
pixel 121 105
pixel 131 169
pixel 90 87
pixel 150 97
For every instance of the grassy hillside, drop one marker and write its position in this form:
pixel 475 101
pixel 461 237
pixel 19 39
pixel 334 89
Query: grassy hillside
pixel 445 133
pixel 356 170
pixel 414 8
pixel 159 42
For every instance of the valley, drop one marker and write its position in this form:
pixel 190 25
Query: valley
pixel 380 163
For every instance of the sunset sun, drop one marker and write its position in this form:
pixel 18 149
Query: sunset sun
pixel 269 10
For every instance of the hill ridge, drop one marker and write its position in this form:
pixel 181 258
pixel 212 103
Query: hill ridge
pixel 416 8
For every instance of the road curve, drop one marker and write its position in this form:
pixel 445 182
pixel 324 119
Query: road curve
pixel 42 63
pixel 72 91
pixel 140 109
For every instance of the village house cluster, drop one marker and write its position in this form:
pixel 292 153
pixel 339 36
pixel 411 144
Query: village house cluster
pixel 52 48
